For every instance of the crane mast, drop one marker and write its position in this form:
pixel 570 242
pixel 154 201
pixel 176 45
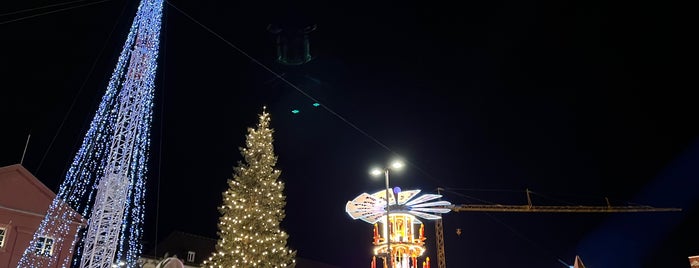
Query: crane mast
pixel 529 207
pixel 439 233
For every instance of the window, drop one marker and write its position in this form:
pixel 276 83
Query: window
pixel 3 233
pixel 44 246
pixel 190 256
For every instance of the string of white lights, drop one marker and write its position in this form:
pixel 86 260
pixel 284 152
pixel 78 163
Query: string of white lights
pixel 106 180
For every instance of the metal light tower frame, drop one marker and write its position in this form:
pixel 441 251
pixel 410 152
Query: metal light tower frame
pixel 106 180
pixel 132 120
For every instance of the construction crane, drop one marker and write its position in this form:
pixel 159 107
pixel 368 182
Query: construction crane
pixel 529 207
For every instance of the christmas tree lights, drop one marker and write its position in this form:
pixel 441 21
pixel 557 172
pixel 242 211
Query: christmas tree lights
pixel 106 180
pixel 252 209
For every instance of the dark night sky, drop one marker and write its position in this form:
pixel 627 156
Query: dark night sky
pixel 576 101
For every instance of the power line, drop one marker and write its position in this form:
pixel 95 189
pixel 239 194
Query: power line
pixel 80 90
pixel 281 77
pixel 47 12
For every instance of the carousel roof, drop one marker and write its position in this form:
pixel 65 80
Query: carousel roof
pixel 372 207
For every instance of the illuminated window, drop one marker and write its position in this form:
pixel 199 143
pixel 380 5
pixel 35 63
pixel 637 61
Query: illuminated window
pixel 2 236
pixel 44 246
pixel 190 256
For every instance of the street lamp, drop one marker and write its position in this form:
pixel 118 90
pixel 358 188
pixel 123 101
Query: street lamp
pixel 376 171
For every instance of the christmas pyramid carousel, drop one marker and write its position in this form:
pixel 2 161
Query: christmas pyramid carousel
pixel 403 236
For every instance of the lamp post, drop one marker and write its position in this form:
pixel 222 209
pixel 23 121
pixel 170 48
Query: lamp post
pixel 375 172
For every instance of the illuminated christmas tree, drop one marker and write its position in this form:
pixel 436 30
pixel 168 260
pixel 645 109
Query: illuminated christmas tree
pixel 253 207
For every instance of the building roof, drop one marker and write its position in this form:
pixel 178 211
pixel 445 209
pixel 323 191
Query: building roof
pixel 17 180
pixel 180 243
pixel 17 184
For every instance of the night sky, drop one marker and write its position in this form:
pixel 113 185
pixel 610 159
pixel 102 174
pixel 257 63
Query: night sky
pixel 574 100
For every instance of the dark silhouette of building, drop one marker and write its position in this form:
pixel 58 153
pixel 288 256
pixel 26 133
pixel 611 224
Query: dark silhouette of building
pixel 193 249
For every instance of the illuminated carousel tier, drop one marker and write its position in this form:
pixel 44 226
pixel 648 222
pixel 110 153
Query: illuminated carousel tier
pixel 402 228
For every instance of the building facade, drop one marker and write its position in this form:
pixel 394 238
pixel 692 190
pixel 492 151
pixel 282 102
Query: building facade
pixel 24 201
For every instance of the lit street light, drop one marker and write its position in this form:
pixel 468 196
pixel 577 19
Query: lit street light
pixel 376 171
